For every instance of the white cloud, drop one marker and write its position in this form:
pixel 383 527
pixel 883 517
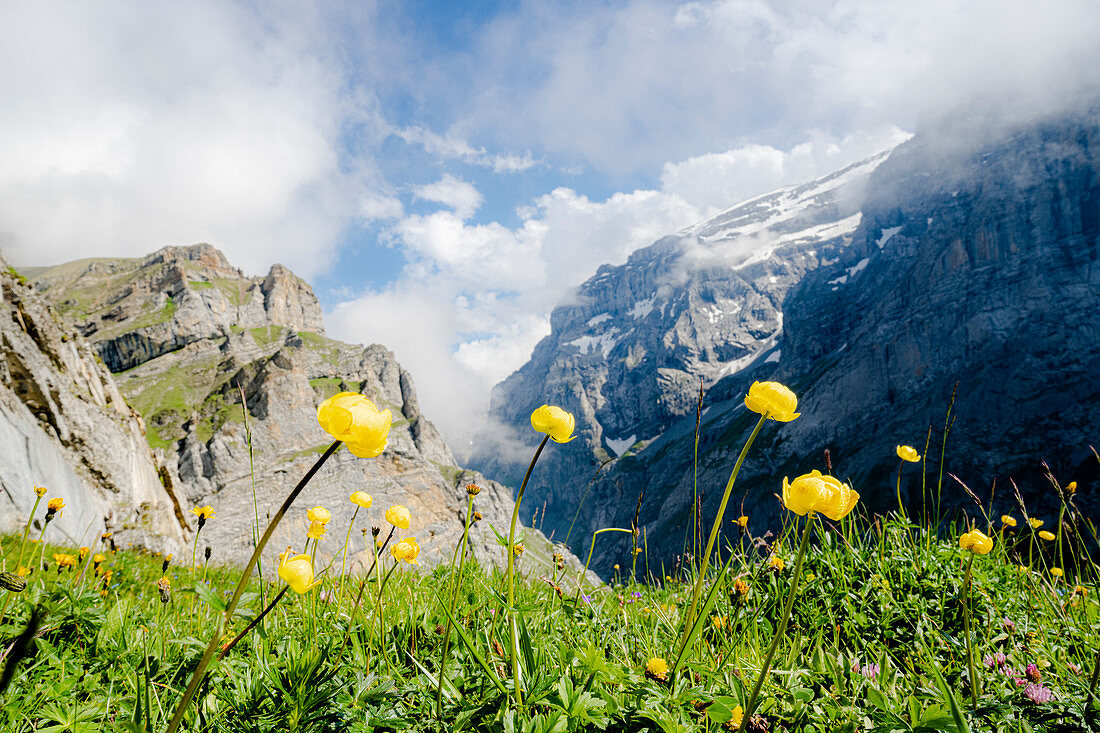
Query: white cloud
pixel 454 192
pixel 452 146
pixel 374 206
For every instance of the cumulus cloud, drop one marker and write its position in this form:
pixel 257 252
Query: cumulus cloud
pixel 454 192
pixel 453 146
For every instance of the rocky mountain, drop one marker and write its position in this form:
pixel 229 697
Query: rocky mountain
pixel 66 426
pixel 228 371
pixel 967 255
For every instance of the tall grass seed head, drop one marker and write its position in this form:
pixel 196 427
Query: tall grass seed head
pixel 362 499
pixel 39 491
pixel 406 551
pixel 398 515
pixel 1008 520
pixel 908 453
pixel 772 399
pixel 813 492
pixel 976 541
pixel 297 571
pixel 555 422
pixel 352 418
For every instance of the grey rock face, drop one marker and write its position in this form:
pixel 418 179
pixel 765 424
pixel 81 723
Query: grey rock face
pixel 974 262
pixel 229 371
pixel 66 427
pixel 628 359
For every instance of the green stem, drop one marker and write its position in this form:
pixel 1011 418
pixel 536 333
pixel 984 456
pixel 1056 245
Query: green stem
pixel 966 630
pixel 228 647
pixel 591 548
pixel 347 539
pixel 212 646
pixel 714 533
pixel 362 585
pixel 782 624
pixel 450 612
pixel 511 573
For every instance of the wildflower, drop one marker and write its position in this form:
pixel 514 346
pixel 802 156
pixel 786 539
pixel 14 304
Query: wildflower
pixel 1056 572
pixel 1022 569
pixel 1071 487
pixel 164 588
pixel 83 552
pixel 1008 624
pixel 742 523
pixel 736 715
pixel 316 531
pixel 870 671
pixel 908 453
pixel 555 422
pixel 518 549
pixel 776 562
pixel 203 513
pixel 773 400
pixel 54 506
pixel 657 669
pixel 107 535
pixel 398 516
pixel 1080 590
pixel 813 492
pixel 22 571
pixel 1033 673
pixel 472 489
pixel 167 561
pixel 718 621
pixel 740 587
pixel 406 550
pixel 13 582
pixel 478 516
pixel 1035 523
pixel 297 572
pixel 64 561
pixel 616 567
pixel 39 491
pixel 976 541
pixel 362 498
pixel 98 558
pixel 207 552
pixel 1008 520
pixel 355 420
pixel 1048 536
pixel 637 550
pixel 1037 693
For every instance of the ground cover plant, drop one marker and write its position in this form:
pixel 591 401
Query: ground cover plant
pixel 840 620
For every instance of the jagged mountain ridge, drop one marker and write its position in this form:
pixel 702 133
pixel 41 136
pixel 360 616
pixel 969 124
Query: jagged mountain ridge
pixel 194 344
pixel 975 261
pixel 629 357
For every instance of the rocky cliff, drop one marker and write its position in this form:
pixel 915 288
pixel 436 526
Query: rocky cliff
pixel 228 371
pixel 66 426
pixel 974 261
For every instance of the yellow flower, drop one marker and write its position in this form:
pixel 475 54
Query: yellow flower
pixel 1008 520
pixel 657 669
pixel 39 491
pixel 772 399
pixel 741 587
pixel 735 717
pixel 718 621
pixel 64 561
pixel 164 588
pixel 1021 568
pixel 1056 572
pixel 355 420
pixel 813 492
pixel 406 550
pixel 107 535
pixel 83 552
pixel 316 531
pixel 362 498
pixel 1071 487
pixel 616 566
pixel 319 515
pixel 203 512
pixel 777 562
pixel 22 571
pixel 908 453
pixel 1080 590
pixel 1035 523
pixel 297 572
pixel 742 522
pixel 1048 536
pixel 555 422
pixel 55 505
pixel 98 558
pixel 976 541
pixel 398 516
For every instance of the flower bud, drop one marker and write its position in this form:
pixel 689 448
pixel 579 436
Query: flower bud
pixel 472 489
pixel 12 582
pixel 164 588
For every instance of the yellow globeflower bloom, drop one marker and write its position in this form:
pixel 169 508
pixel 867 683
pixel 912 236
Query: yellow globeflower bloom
pixel 406 550
pixel 319 515
pixel 316 530
pixel 908 453
pixel 657 669
pixel 976 541
pixel 813 492
pixel 1071 487
pixel 1008 520
pixel 354 419
pixel 555 422
pixel 772 399
pixel 297 572
pixel 1048 536
pixel 362 498
pixel 398 516
pixel 1035 523
pixel 1056 572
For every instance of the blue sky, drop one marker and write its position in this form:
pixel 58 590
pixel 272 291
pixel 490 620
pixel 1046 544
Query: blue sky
pixel 445 173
